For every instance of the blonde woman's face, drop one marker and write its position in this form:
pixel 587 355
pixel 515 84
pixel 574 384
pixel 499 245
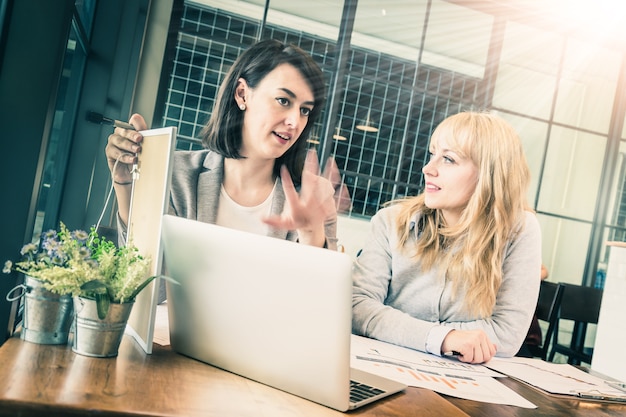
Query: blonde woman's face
pixel 450 181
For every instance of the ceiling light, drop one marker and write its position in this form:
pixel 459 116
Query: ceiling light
pixel 367 125
pixel 337 136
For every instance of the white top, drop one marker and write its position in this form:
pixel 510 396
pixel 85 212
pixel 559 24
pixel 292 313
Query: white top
pixel 248 219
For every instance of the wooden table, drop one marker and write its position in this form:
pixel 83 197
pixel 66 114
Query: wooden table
pixel 44 380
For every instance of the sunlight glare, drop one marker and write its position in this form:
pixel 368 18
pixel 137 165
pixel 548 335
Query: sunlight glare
pixel 600 18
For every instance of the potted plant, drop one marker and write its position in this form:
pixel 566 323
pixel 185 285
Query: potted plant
pixel 104 303
pixel 54 270
pixel 102 279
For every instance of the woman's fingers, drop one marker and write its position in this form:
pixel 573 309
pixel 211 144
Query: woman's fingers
pixel 473 346
pixel 138 122
pixel 122 148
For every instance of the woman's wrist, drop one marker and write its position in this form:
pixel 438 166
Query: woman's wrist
pixel 312 237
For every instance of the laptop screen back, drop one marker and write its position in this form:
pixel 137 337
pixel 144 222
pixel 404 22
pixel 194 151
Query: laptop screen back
pixel 271 310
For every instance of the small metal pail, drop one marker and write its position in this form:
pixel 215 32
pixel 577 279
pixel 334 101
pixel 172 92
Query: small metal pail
pixel 47 316
pixel 95 337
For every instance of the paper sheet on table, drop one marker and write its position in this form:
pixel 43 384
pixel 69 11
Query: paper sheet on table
pixel 555 378
pixel 443 375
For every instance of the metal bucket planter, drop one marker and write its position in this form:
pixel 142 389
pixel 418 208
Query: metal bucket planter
pixel 97 337
pixel 47 316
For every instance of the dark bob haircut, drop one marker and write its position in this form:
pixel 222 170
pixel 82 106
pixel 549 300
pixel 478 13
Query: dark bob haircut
pixel 222 134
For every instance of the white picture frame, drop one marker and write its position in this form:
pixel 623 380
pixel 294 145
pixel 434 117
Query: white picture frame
pixel 149 201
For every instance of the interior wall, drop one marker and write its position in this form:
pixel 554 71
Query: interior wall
pixel 35 43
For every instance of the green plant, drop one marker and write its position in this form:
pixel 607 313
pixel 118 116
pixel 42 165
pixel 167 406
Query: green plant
pixel 122 275
pixel 61 260
pixel 85 264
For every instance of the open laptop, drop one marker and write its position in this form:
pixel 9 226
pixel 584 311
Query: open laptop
pixel 270 310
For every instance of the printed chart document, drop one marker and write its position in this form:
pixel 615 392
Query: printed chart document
pixel 443 375
pixel 558 378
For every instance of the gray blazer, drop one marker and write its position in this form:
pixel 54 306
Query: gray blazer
pixel 195 192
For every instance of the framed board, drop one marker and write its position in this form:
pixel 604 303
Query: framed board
pixel 149 201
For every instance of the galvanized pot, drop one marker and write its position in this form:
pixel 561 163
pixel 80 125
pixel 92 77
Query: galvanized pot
pixel 47 316
pixel 97 337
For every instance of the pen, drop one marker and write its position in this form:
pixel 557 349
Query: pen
pixel 600 396
pixel 452 353
pixel 98 118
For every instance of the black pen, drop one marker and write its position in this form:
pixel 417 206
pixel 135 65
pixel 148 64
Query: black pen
pixel 98 118
pixel 452 353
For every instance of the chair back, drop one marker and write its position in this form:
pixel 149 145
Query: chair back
pixel 580 304
pixel 547 310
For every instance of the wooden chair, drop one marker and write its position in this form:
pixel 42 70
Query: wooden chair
pixel 547 310
pixel 580 305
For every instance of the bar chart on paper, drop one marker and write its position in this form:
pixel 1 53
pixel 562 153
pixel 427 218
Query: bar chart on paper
pixel 452 381
pixel 446 376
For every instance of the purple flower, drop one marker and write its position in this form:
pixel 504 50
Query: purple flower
pixel 80 236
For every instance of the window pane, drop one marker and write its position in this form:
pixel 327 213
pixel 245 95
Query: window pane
pixel 57 153
pixel 394 28
pixel 616 215
pixel 86 10
pixel 457 38
pixel 564 248
pixel 533 135
pixel 572 173
pixel 588 86
pixel 527 71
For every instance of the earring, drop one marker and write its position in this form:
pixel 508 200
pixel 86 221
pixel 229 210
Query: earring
pixel 242 107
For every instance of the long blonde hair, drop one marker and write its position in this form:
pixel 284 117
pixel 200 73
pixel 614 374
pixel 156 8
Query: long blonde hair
pixel 471 252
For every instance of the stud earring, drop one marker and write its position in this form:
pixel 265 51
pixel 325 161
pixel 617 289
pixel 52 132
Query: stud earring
pixel 242 107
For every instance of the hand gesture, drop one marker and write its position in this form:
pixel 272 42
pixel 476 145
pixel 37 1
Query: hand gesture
pixel 308 210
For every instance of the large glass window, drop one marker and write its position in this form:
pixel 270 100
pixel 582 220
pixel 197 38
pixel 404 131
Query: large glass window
pixel 411 64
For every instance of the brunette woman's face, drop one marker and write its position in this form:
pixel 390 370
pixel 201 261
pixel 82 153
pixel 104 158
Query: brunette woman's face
pixel 450 181
pixel 277 111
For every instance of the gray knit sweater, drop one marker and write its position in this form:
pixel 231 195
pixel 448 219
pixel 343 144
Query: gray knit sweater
pixel 394 300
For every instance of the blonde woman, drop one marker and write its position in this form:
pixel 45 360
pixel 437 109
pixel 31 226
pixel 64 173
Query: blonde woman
pixel 455 270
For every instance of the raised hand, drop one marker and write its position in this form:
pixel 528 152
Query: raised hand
pixel 306 211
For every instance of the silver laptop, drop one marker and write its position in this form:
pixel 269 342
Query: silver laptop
pixel 270 310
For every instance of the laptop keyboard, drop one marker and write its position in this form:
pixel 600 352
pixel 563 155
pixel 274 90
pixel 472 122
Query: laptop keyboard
pixel 360 392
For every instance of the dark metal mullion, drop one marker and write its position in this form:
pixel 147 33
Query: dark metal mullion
pixel 606 180
pixel 394 191
pixel 337 84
